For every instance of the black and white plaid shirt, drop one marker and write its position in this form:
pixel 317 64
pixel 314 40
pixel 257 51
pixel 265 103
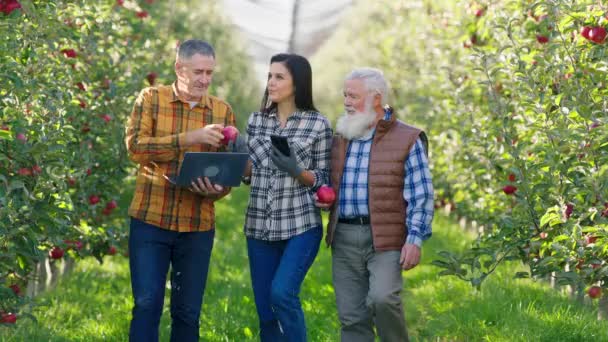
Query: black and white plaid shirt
pixel 281 207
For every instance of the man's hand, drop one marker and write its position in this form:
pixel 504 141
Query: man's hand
pixel 410 256
pixel 205 188
pixel 285 163
pixel 323 206
pixel 210 134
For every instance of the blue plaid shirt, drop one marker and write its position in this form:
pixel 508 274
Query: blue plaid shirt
pixel 417 190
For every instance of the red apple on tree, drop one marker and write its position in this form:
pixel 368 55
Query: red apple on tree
pixel 93 199
pixel 8 6
pixel 69 53
pixel 21 137
pixel 509 189
pixel 107 118
pixel 585 31
pixel 16 289
pixel 112 250
pixel 230 133
pixel 569 209
pixel 9 318
pixel 512 178
pixel 142 14
pixel 326 194
pixel 36 169
pixel 24 171
pixel 542 39
pixel 595 292
pixel 56 253
pixel 597 34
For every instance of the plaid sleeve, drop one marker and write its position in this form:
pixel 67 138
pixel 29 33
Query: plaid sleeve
pixel 418 193
pixel 142 146
pixel 321 154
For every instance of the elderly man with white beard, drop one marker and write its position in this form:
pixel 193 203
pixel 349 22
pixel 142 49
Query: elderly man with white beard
pixel 383 209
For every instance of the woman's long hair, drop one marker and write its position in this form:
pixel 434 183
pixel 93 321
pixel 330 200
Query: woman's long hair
pixel 301 74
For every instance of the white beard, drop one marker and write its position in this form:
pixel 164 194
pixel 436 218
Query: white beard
pixel 356 125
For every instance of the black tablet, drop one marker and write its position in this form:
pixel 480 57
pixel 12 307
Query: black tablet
pixel 222 168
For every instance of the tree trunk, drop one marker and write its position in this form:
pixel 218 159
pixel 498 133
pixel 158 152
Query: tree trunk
pixel 602 311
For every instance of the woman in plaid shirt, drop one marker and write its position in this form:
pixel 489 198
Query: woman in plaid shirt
pixel 283 226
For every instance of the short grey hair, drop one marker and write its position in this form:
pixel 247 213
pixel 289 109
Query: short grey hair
pixel 190 47
pixel 373 79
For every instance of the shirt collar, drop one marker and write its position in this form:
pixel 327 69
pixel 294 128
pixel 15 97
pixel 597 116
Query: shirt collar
pixel 297 114
pixel 204 102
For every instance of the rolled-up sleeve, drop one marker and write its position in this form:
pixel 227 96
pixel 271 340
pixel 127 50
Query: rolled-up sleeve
pixel 321 155
pixel 142 146
pixel 418 193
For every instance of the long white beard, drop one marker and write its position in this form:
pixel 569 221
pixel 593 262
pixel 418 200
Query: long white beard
pixel 356 125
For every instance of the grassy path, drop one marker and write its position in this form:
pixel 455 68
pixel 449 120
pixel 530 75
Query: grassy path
pixel 93 304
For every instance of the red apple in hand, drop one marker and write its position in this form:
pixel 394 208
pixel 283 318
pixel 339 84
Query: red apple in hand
pixel 326 194
pixel 595 292
pixel 56 253
pixel 230 133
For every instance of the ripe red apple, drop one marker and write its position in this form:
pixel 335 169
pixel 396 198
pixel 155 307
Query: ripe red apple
pixel 585 31
pixel 16 289
pixel 5 128
pixel 81 86
pixel 36 170
pixel 142 14
pixel 56 253
pixel 9 318
pixel 107 118
pixel 230 133
pixel 93 199
pixel 71 181
pixel 512 178
pixel 151 77
pixel 69 53
pixel 595 292
pixel 8 6
pixel 479 12
pixel 21 137
pixel 120 2
pixel 24 171
pixel 569 209
pixel 509 189
pixel 597 34
pixel 112 250
pixel 111 204
pixel 542 39
pixel 89 172
pixel 326 194
pixel 589 239
pixel 82 104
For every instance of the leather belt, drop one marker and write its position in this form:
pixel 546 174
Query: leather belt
pixel 360 220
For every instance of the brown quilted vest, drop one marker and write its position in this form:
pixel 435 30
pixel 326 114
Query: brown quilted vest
pixel 391 145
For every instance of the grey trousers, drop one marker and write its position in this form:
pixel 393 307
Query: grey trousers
pixel 367 286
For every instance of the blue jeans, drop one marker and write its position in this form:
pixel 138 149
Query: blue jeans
pixel 278 269
pixel 151 250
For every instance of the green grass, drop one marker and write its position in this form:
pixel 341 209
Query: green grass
pixel 94 302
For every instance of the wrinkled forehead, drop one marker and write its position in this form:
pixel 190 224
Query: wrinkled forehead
pixel 355 86
pixel 198 62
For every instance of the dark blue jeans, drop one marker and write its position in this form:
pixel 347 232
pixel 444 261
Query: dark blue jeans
pixel 278 269
pixel 151 250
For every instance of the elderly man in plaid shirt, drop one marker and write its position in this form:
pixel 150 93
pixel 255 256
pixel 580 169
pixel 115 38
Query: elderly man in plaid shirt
pixel 383 209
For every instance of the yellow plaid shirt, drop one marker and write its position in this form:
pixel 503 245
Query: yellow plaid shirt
pixel 154 137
